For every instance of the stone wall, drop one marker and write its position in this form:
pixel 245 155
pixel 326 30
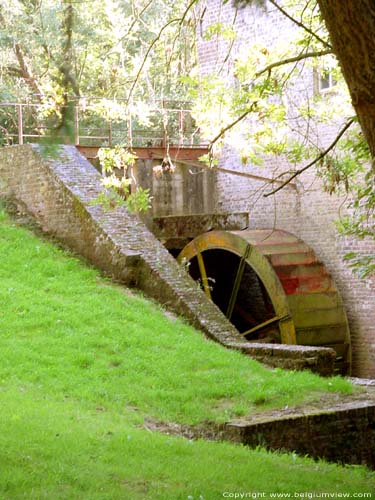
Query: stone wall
pixel 301 208
pixel 59 192
pixel 344 433
pixel 290 357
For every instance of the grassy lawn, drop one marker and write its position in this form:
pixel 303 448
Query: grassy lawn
pixel 85 362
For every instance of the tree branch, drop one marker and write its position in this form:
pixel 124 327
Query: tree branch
pixel 232 124
pixel 231 42
pixel 316 160
pixel 133 23
pixel 24 70
pixel 301 25
pixel 180 21
pixel 300 57
pixel 186 11
pixel 150 47
pixel 65 68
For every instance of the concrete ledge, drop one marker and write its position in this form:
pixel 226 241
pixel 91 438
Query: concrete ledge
pixel 190 226
pixel 290 357
pixel 344 433
pixel 177 230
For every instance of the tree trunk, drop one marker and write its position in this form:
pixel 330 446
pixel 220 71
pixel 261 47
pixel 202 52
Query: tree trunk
pixel 351 25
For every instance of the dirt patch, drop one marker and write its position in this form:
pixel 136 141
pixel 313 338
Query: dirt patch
pixel 210 431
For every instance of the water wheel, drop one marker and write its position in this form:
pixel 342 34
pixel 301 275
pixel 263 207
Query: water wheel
pixel 272 287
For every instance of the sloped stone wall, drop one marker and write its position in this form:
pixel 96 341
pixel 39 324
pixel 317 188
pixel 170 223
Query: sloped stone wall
pixel 58 193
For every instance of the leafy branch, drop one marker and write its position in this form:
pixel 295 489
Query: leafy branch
pixel 300 24
pixel 132 24
pixel 24 70
pixel 118 188
pixel 300 57
pixel 231 125
pixel 316 160
pixel 180 21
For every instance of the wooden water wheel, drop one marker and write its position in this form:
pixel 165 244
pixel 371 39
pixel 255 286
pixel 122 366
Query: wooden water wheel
pixel 272 287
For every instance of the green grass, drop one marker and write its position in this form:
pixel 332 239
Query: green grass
pixel 63 450
pixel 84 362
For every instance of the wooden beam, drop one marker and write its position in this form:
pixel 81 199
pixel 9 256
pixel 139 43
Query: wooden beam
pixel 261 325
pixel 177 153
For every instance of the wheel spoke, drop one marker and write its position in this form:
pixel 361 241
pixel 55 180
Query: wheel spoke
pixel 237 282
pixel 202 270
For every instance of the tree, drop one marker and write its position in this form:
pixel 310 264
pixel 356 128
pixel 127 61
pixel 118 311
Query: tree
pixel 117 61
pixel 351 26
pixel 119 51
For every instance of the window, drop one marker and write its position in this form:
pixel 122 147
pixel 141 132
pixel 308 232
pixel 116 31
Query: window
pixel 326 81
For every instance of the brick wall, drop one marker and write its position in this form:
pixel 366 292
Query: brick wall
pixel 303 209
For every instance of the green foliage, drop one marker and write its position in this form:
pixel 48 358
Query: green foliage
pixel 361 223
pixel 139 201
pixel 109 200
pixel 209 160
pixel 118 186
pixel 100 59
pixel 363 265
pixel 222 29
pixel 118 157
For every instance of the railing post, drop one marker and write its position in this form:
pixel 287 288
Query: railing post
pixel 164 116
pixel 110 133
pixel 20 124
pixel 76 125
pixel 181 127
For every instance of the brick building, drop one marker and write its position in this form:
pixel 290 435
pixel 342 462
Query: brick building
pixel 302 208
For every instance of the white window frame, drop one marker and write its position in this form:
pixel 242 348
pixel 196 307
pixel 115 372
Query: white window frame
pixel 328 77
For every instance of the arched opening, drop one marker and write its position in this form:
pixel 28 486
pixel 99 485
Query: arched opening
pixel 251 305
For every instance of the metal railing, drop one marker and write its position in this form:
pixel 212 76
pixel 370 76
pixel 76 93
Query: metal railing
pixel 25 122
